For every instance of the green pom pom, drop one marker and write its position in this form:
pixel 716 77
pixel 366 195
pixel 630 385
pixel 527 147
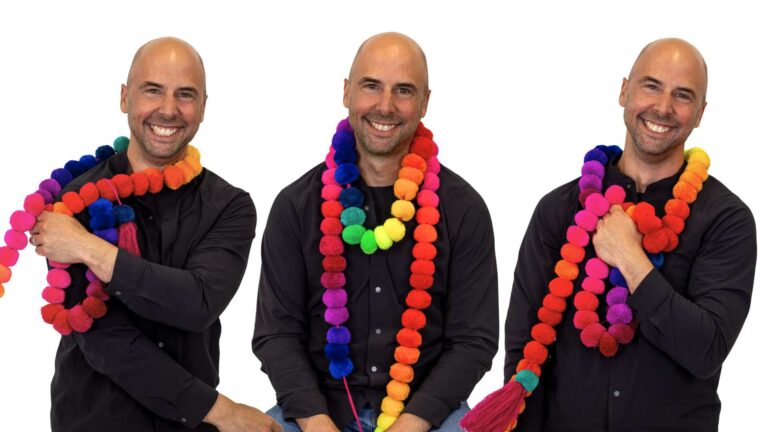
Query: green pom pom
pixel 368 242
pixel 121 144
pixel 352 216
pixel 527 379
pixel 352 234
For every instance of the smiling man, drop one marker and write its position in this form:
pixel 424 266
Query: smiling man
pixel 367 306
pixel 654 316
pixel 151 363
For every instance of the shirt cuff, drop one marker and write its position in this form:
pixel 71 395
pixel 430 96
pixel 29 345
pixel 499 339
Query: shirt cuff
pixel 430 408
pixel 195 403
pixel 126 276
pixel 649 295
pixel 303 404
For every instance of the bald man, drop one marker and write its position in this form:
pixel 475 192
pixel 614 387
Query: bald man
pixel 406 317
pixel 650 358
pixel 151 364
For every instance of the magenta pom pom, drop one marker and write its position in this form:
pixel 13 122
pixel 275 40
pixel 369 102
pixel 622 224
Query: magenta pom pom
pixel 47 196
pixel 578 236
pixel 329 176
pixel 22 221
pixel 590 181
pixel 333 280
pixel 15 239
pixel 427 198
pixel 622 332
pixel 58 265
pixel 617 295
pixel 619 314
pixel 96 289
pixel 335 298
pixel 344 125
pixel 331 245
pixel 331 192
pixel 58 278
pixel 90 276
pixel 596 268
pixel 431 181
pixel 597 204
pixel 615 195
pixel 583 195
pixel 594 285
pixel 53 295
pixel 591 334
pixel 34 203
pixel 329 162
pixel 79 320
pixel 336 316
pixel 52 186
pixel 8 256
pixel 433 165
pixel 594 168
pixel 586 220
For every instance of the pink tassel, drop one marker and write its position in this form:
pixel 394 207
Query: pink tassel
pixel 497 411
pixel 127 238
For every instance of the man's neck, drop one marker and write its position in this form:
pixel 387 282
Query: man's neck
pixel 380 170
pixel 648 170
pixel 139 161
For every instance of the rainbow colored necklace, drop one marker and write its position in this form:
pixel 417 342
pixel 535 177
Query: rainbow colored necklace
pixel 338 199
pixel 499 410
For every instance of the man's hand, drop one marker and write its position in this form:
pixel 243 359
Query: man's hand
pixel 620 245
pixel 410 423
pixel 229 416
pixel 317 423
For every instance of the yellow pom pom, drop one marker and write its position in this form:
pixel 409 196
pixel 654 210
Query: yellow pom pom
pixel 194 163
pixel 696 154
pixel 397 390
pixel 403 210
pixel 382 238
pixel 391 406
pixel 193 152
pixel 697 168
pixel 385 421
pixel 394 228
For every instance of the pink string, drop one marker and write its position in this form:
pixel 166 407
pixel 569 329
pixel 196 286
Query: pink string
pixel 114 190
pixel 352 404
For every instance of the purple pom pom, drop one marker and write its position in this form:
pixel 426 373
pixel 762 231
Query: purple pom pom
pixel 345 155
pixel 619 314
pixel 47 196
pixel 594 168
pixel 596 155
pixel 344 126
pixel 62 176
pixel 590 181
pixel 343 140
pixel 346 173
pixel 52 186
pixel 88 162
pixel 335 298
pixel 338 335
pixel 336 316
pixel 617 295
pixel 110 235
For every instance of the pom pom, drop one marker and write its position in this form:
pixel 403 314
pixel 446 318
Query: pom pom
pixel 333 280
pixel 336 316
pixel 425 267
pixel 96 289
pixel 351 197
pixel 338 335
pixel 622 332
pixel 593 285
pixel 15 239
pixel 8 256
pixel 672 240
pixel 58 265
pixel 421 282
pixel 528 379
pixel 340 368
pixel 79 320
pixel 596 268
pixel 543 333
pixel 344 155
pixel 22 221
pixel 73 202
pixel 50 311
pixel 348 216
pixel 572 253
pixel 329 176
pixel 597 204
pixel 390 406
pixel 110 235
pixel 403 210
pixel 428 215
pixel 619 314
pixel 106 189
pixel 62 176
pixel 616 278
pixel 674 223
pixel 535 352
pixel 423 147
pixel 331 226
pixel 692 179
pixel 94 307
pixel 353 234
pixel 594 168
pixel 100 206
pixel 89 193
pixel 155 177
pixel 331 245
pixel 406 355
pixel 554 303
pixel 34 204
pixel 566 270
pixel 47 197
pixel 590 181
pixel 425 233
pixel 331 209
pixel 382 238
pixel 698 155
pixel 647 224
pixel 583 318
pixel 422 131
pixel 368 242
pixel 384 421
pixel 431 181
pixel 397 390
pixel 346 173
pixel 409 338
pixel 405 189
pixel 424 250
pixel 120 144
pixel 75 168
pixel 104 152
pixel 394 228
pixel 591 334
pixel 124 185
pixel 578 236
pixel 418 299
pixel 427 198
pixel 412 160
pixel 414 319
pixel 597 155
pixel 51 185
pixel 54 295
pixel 331 192
pixel 608 345
pixel 685 192
pixel 62 208
pixel 336 351
pixel 123 214
pixel 58 278
pixel 586 220
pixel 617 295
pixel 413 174
pixel 585 300
pixel 334 263
pixel 401 372
pixel 657 259
pixel 615 195
pixel 697 168
pixel 524 363
pixel 61 323
pixel 173 177
pixel 655 242
pixel 586 193
pixel 561 287
pixel 343 139
pixel 88 162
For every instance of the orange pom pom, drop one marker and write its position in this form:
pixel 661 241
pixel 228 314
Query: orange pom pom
pixel 397 390
pixel 413 174
pixel 674 223
pixel 692 179
pixel 62 208
pixel 406 355
pixel 414 319
pixel 73 202
pixel 89 193
pixel 186 169
pixel 2 290
pixel 685 192
pixel 123 184
pixel 535 352
pixel 155 177
pixel 106 189
pixel 194 163
pixel 572 253
pixel 425 233
pixel 5 274
pixel 421 282
pixel 406 189
pixel 401 372
pixel 418 299
pixel 554 303
pixel 413 160
pixel 679 208
pixel 561 287
pixel 548 316
pixel 424 250
pixel 543 333
pixel 524 363
pixel 425 267
pixel 173 177
pixel 409 338
pixel 566 270
pixel 140 183
pixel 428 215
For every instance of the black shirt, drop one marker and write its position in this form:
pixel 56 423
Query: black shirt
pixel 459 340
pixel 689 314
pixel 151 364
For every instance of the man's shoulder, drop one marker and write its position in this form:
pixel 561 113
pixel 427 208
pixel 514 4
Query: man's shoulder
pixel 303 189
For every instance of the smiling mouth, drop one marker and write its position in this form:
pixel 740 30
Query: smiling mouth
pixel 164 131
pixel 655 127
pixel 381 127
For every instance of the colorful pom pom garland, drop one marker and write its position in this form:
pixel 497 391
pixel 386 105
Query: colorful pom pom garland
pixel 103 216
pixel 343 223
pixel 500 410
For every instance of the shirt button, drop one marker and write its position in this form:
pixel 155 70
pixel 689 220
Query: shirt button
pixel 616 393
pixel 366 208
pixel 377 289
pixel 118 293
pixel 183 419
pixel 374 368
pixel 151 217
pixel 629 186
pixel 160 344
pixel 378 331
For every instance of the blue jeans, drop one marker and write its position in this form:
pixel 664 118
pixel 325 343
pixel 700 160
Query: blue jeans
pixel 368 420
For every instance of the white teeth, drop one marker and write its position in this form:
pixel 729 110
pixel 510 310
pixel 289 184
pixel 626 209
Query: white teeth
pixel 656 127
pixel 164 132
pixel 382 127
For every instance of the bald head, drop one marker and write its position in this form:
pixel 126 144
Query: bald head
pixel 168 49
pixel 391 46
pixel 674 53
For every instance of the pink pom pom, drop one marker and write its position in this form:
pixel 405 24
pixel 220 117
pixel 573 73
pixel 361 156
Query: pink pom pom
pixel 591 334
pixel 8 256
pixel 596 268
pixel 58 265
pixel 622 332
pixel 22 221
pixel 336 316
pixel 61 323
pixel 96 289
pixel 331 245
pixel 590 181
pixel 331 192
pixel 619 314
pixel 331 280
pixel 53 295
pixel 615 195
pixel 79 320
pixel 335 298
pixel 427 198
pixel 34 204
pixel 431 181
pixel 433 165
pixel 597 204
pixel 328 176
pixel 593 285
pixel 58 278
pixel 578 236
pixel 583 318
pixel 15 239
pixel 329 162
pixel 586 220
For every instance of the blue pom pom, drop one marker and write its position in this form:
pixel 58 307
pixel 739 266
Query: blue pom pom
pixel 101 205
pixel 102 221
pixel 109 235
pixel 62 176
pixel 123 213
pixel 351 197
pixel 346 173
pixel 104 152
pixel 616 278
pixel 338 335
pixel 597 155
pixel 88 162
pixel 340 368
pixel 335 351
pixel 121 144
pixel 345 155
pixel 612 151
pixel 352 216
pixel 656 259
pixel 527 379
pixel 343 140
pixel 74 167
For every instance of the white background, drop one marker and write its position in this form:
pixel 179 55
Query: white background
pixel 520 92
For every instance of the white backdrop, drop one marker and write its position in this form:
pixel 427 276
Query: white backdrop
pixel 520 92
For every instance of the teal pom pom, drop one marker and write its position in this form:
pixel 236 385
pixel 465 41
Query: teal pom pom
pixel 121 144
pixel 527 379
pixel 352 216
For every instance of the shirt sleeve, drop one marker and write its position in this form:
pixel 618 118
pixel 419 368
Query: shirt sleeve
pixel 471 329
pixel 193 297
pixel 698 330
pixel 281 329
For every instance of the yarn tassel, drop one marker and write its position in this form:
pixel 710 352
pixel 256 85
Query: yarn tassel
pixel 497 411
pixel 127 238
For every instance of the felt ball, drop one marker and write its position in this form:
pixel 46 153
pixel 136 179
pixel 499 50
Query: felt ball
pixel 329 176
pixel 421 282
pixel 699 169
pixel 61 323
pixel 155 177
pixel 123 184
pixel 106 189
pixel 100 206
pixel 89 193
pixel 685 192
pixel 79 319
pixel 94 307
pixel 608 345
pixel 62 176
pixel 424 250
pixel 619 314
pixel 414 319
pixel 394 228
pixel 583 318
pixel 427 198
pixel 696 154
pixel 611 151
pixel 331 226
pixel 431 182
pixel 647 224
pixel 572 253
pixel 406 189
pixel 593 167
pixel 674 223
pixel 351 197
pixel 193 152
pixel 593 285
pixel 58 265
pixel 585 300
pixel 622 332
pixel 527 379
pixel 554 303
pixel 54 295
pixel 343 139
pixel 428 215
pixel 73 201
pixel 543 333
pixel 597 204
pixel 88 161
pixel 412 160
pixel 15 239
pixel 390 406
pixel 344 155
pixel 348 216
pixel 385 421
pixel 340 368
pixel 331 192
pixel 578 236
pixel 22 221
pixel 586 193
pixel 655 242
pixel 413 174
pixel 331 280
pixel 597 268
pixel 657 259
pixel 524 363
pixel 50 311
pixel 336 316
pixel 566 270
pixel 47 196
pixel 615 195
pixel 173 177
pixel 368 242
pixel 617 295
pixel 75 168
pixel 692 179
pixel 425 233
pixel 409 338
pixel 58 278
pixel 120 144
pixel 586 220
pixel 34 204
pixel 672 240
pixel 51 185
pixel 590 181
pixel 535 352
pixel 382 238
pixel 8 256
pixel 353 234
pixel 406 355
pixel 338 335
pixel 422 131
pixel 331 245
pixel 423 147
pixel 331 209
pixel 346 173
pixel 104 152
pixel 62 208
pixel 418 299
pixel 334 263
pixel 561 287
pixel 548 316
pixel 616 278
pixel 96 289
pixel 596 155
pixel 425 267
pixel 110 235
pixel 401 372
pixel 591 334
pixel 403 210
pixel 123 214
pixel 336 351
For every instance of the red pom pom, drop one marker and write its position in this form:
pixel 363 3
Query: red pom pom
pixel 672 240
pixel 428 215
pixel 578 236
pixel 140 183
pixel 424 250
pixel 414 161
pixel 622 332
pixel 22 221
pixel 423 267
pixel 95 288
pixel 124 186
pixel 89 193
pixel 535 352
pixel 566 270
pixel 421 282
pixel 8 256
pixel 34 204
pixel 79 320
pixel 677 208
pixel 583 318
pixel 591 335
pixel 334 263
pixel 674 223
pixel 554 303
pixel 94 307
pixel 643 210
pixel 61 323
pixel 684 191
pixel 333 280
pixel 173 177
pixel 54 295
pixel 648 224
pixel 572 253
pixel 58 278
pixel 331 209
pixel 524 363
pixel 425 233
pixel 331 245
pixel 50 311
pixel 548 316
pixel 106 189
pixel 655 242
pixel 427 198
pixel 423 147
pixel 73 202
pixel 593 285
pixel 418 299
pixel 155 177
pixel 585 300
pixel 422 131
pixel 608 345
pixel 331 226
pixel 543 333
pixel 406 355
pixel 414 319
pixel 409 338
pixel 561 287
pixel 586 193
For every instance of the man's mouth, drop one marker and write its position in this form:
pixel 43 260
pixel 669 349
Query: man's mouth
pixel 381 127
pixel 655 127
pixel 164 131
